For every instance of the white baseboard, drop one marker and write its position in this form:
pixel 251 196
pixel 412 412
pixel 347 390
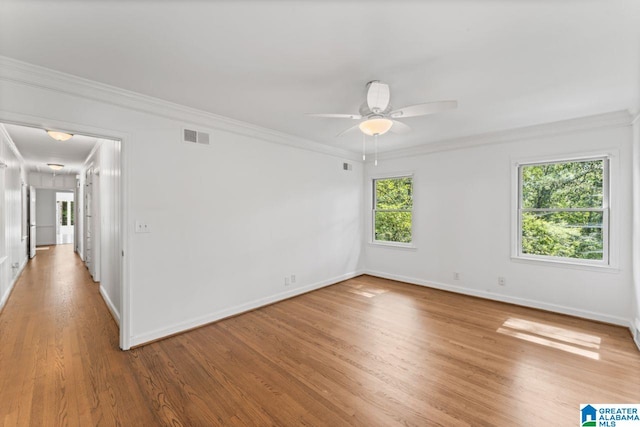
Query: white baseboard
pixel 635 331
pixel 5 297
pixel 157 334
pixel 46 243
pixel 506 298
pixel 110 305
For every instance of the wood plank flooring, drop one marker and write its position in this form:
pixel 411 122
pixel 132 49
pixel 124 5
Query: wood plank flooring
pixel 366 351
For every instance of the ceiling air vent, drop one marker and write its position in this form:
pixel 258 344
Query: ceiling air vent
pixel 347 166
pixel 190 135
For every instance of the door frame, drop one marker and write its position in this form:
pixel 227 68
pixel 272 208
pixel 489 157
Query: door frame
pixel 124 190
pixel 3 245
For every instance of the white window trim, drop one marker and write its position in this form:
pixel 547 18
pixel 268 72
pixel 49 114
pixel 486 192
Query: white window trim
pixel 610 207
pixel 372 229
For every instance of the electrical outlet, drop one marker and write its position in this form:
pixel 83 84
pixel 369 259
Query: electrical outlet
pixel 287 281
pixel 502 281
pixel 293 278
pixel 456 275
pixel 142 227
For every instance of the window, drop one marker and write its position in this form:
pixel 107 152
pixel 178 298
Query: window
pixel 563 211
pixel 66 213
pixel 392 209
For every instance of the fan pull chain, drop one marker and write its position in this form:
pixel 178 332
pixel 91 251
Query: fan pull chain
pixel 364 153
pixel 375 143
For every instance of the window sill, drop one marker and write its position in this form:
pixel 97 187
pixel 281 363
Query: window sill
pixel 393 245
pixel 566 264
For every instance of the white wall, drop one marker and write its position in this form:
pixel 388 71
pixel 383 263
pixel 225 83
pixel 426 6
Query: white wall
pixel 636 229
pixel 105 161
pixel 463 217
pixel 49 180
pixel 45 217
pixel 13 245
pixel 228 221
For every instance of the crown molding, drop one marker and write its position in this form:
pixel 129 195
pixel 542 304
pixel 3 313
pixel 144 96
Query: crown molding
pixel 613 119
pixel 20 72
pixel 12 146
pixel 24 73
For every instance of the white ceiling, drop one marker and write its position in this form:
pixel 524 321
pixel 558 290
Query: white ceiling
pixel 509 63
pixel 38 149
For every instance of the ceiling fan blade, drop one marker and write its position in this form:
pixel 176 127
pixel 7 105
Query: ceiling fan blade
pixel 336 116
pixel 378 96
pixel 399 127
pixel 351 129
pixel 423 109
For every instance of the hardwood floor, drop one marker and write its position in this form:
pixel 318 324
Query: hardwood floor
pixel 366 351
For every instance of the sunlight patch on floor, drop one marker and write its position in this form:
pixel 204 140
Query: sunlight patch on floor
pixel 579 343
pixel 365 291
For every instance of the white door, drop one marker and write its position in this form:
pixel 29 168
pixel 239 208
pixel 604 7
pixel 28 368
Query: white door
pixel 32 222
pixel 4 262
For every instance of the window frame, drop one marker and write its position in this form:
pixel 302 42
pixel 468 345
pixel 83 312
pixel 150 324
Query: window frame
pixel 373 239
pixel 606 260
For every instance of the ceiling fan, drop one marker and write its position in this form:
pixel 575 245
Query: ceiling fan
pixel 378 117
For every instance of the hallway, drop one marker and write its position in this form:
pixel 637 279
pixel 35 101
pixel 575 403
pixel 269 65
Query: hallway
pixel 59 358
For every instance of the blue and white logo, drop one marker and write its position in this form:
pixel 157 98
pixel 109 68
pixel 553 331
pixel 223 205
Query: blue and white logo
pixel 609 415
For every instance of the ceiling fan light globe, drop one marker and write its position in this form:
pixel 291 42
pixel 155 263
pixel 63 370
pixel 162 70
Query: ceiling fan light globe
pixel 377 126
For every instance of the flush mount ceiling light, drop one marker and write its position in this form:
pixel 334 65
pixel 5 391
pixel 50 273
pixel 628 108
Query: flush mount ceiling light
pixel 59 136
pixel 376 126
pixel 55 166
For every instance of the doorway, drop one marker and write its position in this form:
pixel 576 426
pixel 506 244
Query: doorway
pixel 65 188
pixel 65 218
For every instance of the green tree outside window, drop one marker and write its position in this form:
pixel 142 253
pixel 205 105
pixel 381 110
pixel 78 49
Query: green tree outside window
pixel 563 209
pixel 393 209
pixel 64 213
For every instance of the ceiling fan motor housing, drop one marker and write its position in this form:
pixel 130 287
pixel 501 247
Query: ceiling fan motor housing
pixel 378 96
